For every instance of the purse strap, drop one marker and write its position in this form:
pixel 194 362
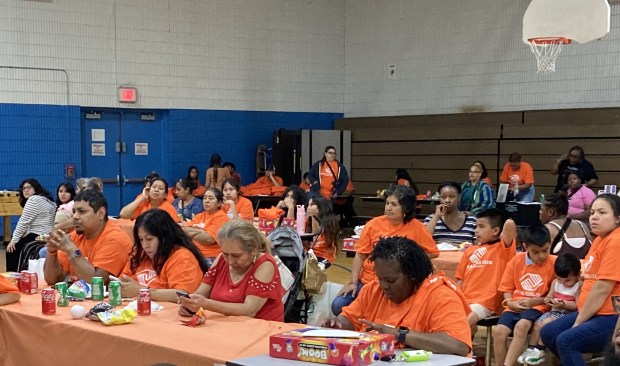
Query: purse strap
pixel 563 229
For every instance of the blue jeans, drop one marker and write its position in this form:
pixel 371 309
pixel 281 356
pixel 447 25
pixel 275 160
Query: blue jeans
pixel 527 195
pixel 43 252
pixel 342 301
pixel 570 343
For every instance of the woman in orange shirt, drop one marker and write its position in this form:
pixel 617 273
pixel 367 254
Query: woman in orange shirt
pixel 328 176
pixel 589 328
pixel 323 223
pixel 192 176
pixel 152 197
pixel 399 220
pixel 234 204
pixel 163 259
pixel 422 311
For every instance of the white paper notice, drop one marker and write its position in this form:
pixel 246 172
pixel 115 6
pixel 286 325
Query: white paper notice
pixel 97 135
pixel 141 148
pixel 97 149
pixel 332 333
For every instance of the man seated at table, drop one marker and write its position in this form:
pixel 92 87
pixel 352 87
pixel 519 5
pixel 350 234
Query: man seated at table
pixel 520 177
pixel 97 248
pixel 265 184
pixel 8 292
pixel 422 311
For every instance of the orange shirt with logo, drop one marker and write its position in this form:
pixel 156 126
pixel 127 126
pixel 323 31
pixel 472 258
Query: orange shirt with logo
pixel 481 269
pixel 109 250
pixel 165 205
pixel 602 263
pixel 525 174
pixel 320 249
pixel 180 272
pixel 528 281
pixel 244 208
pixel 437 307
pixel 379 227
pixel 211 223
pixel 328 179
pixel 7 287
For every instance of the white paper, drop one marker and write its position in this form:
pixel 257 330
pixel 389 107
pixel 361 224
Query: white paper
pixel 141 148
pixel 502 192
pixel 332 333
pixel 97 149
pixel 97 135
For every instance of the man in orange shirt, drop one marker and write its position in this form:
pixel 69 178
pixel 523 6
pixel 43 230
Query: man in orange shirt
pixel 97 248
pixel 8 292
pixel 524 285
pixel 520 177
pixel 422 311
pixel 482 266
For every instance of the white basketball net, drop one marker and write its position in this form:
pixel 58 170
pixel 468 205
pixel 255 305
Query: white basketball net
pixel 546 52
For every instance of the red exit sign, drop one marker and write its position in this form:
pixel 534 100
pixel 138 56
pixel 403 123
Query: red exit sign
pixel 127 94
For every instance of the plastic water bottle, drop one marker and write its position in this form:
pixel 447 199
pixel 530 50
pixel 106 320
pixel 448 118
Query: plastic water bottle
pixel 542 198
pixel 300 222
pixel 516 191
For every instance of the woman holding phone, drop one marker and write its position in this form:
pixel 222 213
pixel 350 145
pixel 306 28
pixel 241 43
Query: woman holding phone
pixel 448 224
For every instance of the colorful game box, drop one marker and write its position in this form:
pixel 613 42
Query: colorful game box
pixel 366 349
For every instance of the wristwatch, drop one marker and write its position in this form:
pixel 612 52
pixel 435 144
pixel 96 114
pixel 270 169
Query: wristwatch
pixel 402 333
pixel 76 253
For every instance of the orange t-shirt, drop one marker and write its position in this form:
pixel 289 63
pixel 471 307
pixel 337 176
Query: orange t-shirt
pixel 180 272
pixel 266 181
pixel 304 186
pixel 244 208
pixel 6 287
pixel 488 181
pixel 328 179
pixel 320 249
pixel 211 223
pixel 109 250
pixel 525 174
pixel 602 263
pixel 165 205
pixel 379 227
pixel 528 281
pixel 199 191
pixel 481 269
pixel 437 307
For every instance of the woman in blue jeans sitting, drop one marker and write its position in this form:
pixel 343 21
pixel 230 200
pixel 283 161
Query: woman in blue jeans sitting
pixel 589 328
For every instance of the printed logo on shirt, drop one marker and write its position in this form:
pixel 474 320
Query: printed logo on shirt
pixel 146 276
pixel 477 255
pixel 587 264
pixel 531 281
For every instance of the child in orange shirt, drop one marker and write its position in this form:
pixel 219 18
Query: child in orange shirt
pixel 525 283
pixel 8 292
pixel 482 266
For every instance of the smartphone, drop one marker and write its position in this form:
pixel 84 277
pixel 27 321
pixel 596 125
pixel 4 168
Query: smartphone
pixel 182 294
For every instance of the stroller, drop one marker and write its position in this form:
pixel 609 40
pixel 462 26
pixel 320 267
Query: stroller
pixel 287 245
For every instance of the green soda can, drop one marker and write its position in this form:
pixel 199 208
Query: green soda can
pixel 62 289
pixel 114 289
pixel 97 288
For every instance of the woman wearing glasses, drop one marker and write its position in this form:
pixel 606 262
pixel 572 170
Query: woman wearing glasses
pixel 328 176
pixel 36 219
pixel 476 194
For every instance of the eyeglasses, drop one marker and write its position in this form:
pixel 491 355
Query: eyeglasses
pixel 475 171
pixel 26 188
pixel 331 152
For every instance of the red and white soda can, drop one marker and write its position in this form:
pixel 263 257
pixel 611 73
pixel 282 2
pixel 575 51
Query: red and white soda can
pixel 48 301
pixel 28 282
pixel 144 302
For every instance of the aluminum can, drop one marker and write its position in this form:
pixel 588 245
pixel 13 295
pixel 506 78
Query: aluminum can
pixel 48 301
pixel 144 302
pixel 63 290
pixel 28 282
pixel 114 289
pixel 97 288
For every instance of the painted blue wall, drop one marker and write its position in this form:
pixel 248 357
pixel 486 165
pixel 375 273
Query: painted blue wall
pixel 38 140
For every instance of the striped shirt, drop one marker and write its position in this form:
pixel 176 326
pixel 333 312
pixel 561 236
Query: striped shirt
pixel 444 234
pixel 37 218
pixel 476 198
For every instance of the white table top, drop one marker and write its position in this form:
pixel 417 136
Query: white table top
pixel 436 360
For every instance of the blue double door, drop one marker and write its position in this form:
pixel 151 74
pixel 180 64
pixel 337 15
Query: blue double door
pixel 121 147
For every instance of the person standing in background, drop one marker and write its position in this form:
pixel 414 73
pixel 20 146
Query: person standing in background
pixel 328 176
pixel 575 160
pixel 520 177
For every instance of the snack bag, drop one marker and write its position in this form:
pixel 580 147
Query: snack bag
pixel 99 308
pixel 111 317
pixel 414 356
pixel 78 291
pixel 196 319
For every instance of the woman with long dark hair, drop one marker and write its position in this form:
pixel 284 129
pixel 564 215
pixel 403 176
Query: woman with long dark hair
pixel 328 177
pixel 186 204
pixel 192 176
pixel 404 179
pixel 164 259
pixel 36 219
pixel 323 223
pixel 216 173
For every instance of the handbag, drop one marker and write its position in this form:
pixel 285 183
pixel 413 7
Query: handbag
pixel 314 277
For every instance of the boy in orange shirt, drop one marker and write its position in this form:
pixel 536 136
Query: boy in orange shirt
pixel 525 283
pixel 8 292
pixel 482 266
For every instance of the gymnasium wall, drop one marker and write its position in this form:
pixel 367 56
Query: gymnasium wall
pixel 466 56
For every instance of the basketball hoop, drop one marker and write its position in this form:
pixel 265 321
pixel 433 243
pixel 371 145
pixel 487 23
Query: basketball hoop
pixel 546 51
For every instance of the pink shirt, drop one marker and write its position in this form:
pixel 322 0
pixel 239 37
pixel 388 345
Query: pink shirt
pixel 578 201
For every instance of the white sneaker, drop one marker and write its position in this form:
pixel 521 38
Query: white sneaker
pixel 525 355
pixel 535 357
